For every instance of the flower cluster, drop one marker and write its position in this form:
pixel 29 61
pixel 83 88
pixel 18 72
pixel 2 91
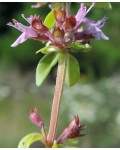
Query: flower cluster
pixel 67 28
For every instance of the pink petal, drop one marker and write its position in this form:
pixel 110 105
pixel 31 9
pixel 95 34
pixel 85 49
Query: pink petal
pixel 22 38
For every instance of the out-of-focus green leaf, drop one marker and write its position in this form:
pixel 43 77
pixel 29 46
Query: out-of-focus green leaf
pixel 30 139
pixel 45 65
pixel 79 47
pixel 50 20
pixel 72 75
pixel 55 145
pixel 47 49
pixel 70 143
pixel 105 5
pixel 57 5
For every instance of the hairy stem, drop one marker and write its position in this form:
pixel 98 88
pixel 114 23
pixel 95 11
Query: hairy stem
pixel 56 100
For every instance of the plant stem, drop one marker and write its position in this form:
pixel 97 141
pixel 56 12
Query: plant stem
pixel 56 100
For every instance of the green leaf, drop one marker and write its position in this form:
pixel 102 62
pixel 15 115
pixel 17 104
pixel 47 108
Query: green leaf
pixel 29 139
pixel 70 143
pixel 79 47
pixel 45 65
pixel 105 5
pixel 72 75
pixel 55 145
pixel 49 20
pixel 47 49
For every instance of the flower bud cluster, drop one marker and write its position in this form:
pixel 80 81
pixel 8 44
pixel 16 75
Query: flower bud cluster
pixel 67 28
pixel 72 131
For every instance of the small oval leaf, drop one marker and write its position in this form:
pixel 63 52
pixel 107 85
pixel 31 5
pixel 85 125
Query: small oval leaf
pixel 79 47
pixel 105 5
pixel 45 65
pixel 47 49
pixel 29 139
pixel 72 75
pixel 55 145
pixel 49 20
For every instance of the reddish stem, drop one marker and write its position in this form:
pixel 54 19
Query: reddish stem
pixel 56 100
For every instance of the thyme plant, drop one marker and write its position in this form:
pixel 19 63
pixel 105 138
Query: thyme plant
pixel 63 34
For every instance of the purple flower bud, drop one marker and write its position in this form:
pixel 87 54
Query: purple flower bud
pixel 35 31
pixel 35 118
pixel 70 24
pixel 72 131
pixel 83 37
pixel 38 25
pixel 60 15
pixel 58 34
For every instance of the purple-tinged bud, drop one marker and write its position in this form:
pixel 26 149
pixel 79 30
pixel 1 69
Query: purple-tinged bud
pixel 35 118
pixel 38 25
pixel 58 34
pixel 83 37
pixel 70 23
pixel 72 131
pixel 60 15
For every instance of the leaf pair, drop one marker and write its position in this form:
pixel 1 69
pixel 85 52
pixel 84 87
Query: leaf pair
pixel 49 60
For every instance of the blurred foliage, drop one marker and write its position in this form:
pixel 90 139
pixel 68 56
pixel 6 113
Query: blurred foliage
pixel 97 103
